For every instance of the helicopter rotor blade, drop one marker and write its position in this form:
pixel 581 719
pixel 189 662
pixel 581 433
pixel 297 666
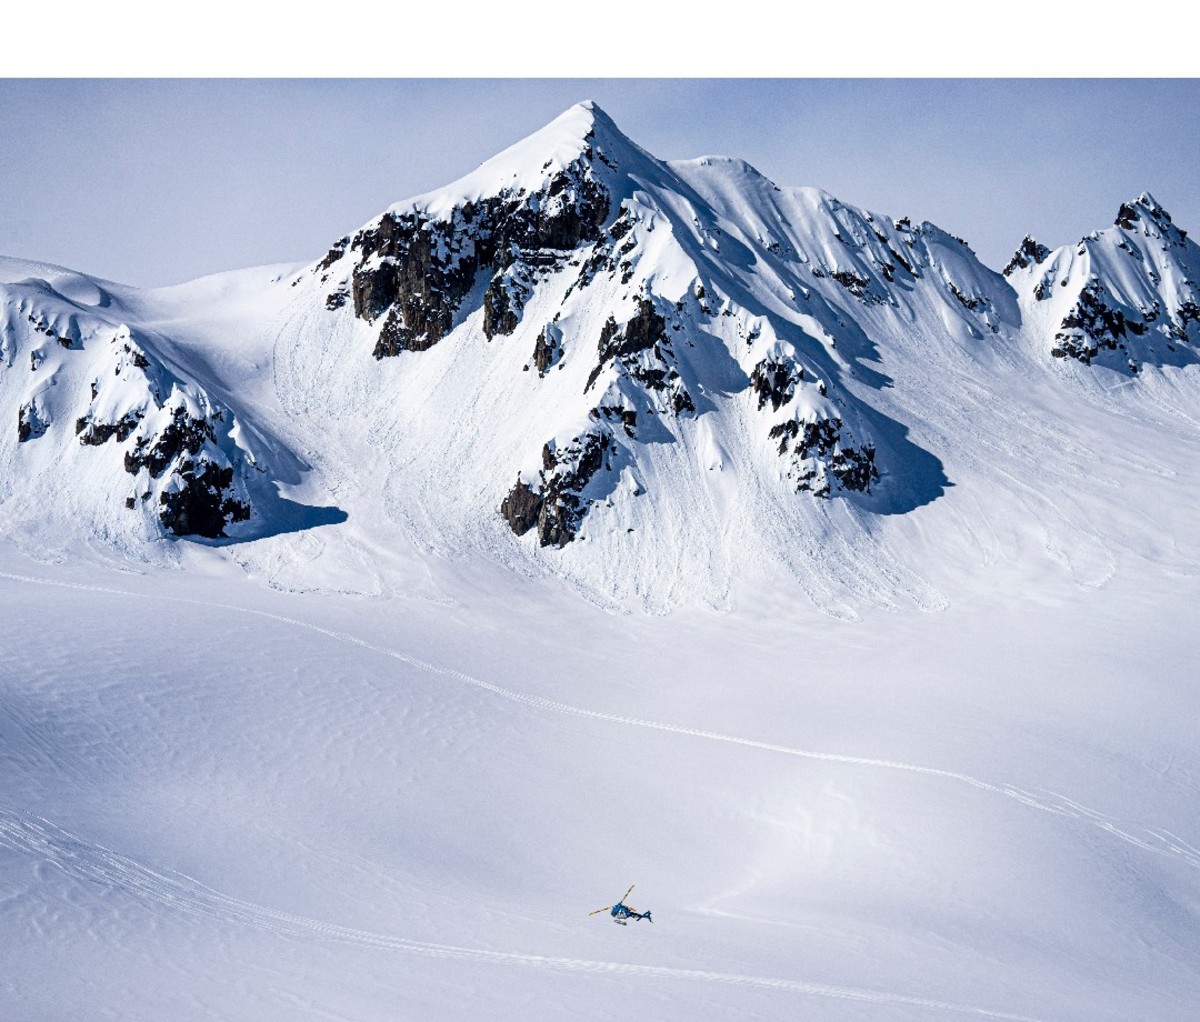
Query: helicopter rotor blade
pixel 626 894
pixel 599 910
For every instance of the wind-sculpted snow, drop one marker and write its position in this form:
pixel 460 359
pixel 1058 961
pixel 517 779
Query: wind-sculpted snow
pixel 108 869
pixel 123 434
pixel 1150 839
pixel 641 262
pixel 146 815
pixel 900 726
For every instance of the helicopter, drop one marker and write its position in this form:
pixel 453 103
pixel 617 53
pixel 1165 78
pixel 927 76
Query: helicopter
pixel 621 912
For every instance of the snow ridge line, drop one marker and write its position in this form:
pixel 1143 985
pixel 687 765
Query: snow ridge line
pixel 1155 840
pixel 85 860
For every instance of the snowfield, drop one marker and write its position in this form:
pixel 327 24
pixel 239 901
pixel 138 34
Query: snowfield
pixel 842 595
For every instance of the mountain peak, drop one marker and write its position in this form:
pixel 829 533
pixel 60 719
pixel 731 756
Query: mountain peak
pixel 578 123
pixel 581 132
pixel 1144 207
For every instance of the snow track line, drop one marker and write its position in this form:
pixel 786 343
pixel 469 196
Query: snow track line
pixel 1146 838
pixel 84 860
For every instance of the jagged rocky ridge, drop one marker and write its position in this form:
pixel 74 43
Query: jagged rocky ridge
pixel 176 440
pixel 1128 294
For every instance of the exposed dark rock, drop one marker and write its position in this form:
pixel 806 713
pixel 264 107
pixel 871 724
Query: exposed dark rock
pixel 521 508
pixel 889 270
pixel 642 350
pixel 643 331
pixel 681 401
pixel 970 302
pixel 547 351
pixel 857 285
pixel 411 270
pixel 775 380
pixel 562 503
pixel 334 254
pixel 196 479
pixel 137 356
pixel 1127 216
pixel 182 435
pixel 606 254
pixel 1092 326
pixel 627 417
pixel 336 299
pixel 93 434
pixel 374 289
pixel 1148 217
pixel 855 468
pixel 1188 312
pixel 1028 253
pixel 418 270
pixel 821 440
pixel 557 507
pixel 200 507
pixel 499 314
pixel 30 424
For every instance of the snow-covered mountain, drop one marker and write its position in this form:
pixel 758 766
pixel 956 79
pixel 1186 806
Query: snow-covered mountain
pixel 644 376
pixel 302 717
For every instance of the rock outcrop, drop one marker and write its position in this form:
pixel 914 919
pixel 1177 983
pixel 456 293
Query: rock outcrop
pixel 822 457
pixel 415 268
pixel 1028 253
pixel 557 503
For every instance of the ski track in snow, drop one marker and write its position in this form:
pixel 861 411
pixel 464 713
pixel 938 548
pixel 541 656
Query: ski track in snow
pixel 1155 840
pixel 94 863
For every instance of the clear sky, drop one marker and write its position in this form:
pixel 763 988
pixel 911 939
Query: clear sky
pixel 154 182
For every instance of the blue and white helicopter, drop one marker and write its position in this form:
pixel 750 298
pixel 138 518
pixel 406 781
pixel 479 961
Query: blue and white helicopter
pixel 621 912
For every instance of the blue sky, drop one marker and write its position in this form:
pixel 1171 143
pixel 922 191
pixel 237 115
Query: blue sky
pixel 154 182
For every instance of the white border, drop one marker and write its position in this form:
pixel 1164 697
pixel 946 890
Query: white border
pixel 601 38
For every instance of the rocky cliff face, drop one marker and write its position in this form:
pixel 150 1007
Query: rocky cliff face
pixel 413 269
